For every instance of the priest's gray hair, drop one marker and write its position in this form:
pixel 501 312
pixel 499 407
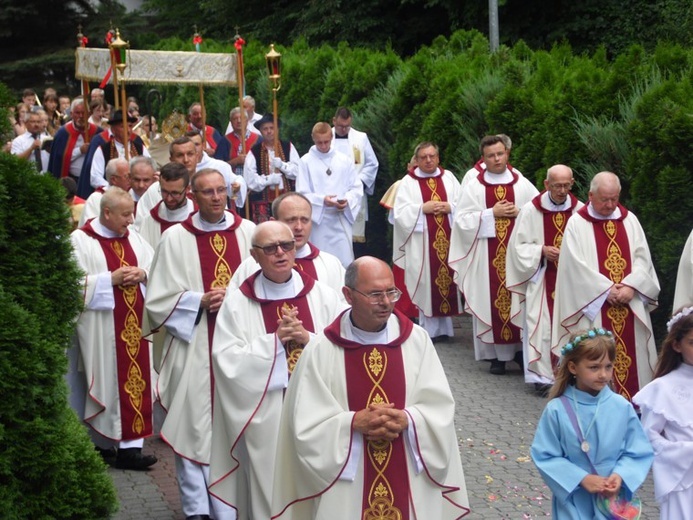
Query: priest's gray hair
pixel 112 167
pixel 112 197
pixel 143 159
pixel 603 178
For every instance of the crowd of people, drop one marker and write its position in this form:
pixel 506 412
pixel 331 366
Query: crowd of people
pixel 297 377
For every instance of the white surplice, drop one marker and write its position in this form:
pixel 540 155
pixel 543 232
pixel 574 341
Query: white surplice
pixel 150 228
pixel 324 174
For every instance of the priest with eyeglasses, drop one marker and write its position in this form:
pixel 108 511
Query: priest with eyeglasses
pixel 367 430
pixel 193 264
pixel 260 334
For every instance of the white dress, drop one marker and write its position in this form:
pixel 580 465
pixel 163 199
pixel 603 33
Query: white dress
pixel 667 416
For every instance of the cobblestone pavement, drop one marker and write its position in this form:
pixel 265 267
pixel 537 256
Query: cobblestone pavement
pixel 496 417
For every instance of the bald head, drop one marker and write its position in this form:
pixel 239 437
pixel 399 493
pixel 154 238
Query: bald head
pixel 559 182
pixel 368 283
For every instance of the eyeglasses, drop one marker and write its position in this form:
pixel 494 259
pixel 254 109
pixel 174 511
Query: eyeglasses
pixel 174 194
pixel 375 297
pixel 272 249
pixel 211 191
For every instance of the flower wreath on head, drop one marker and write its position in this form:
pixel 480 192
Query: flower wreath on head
pixel 592 333
pixel 676 317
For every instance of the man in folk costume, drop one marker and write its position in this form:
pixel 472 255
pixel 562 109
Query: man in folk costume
pixel 329 181
pixel 357 147
pixel 115 357
pixel 367 429
pixel 269 172
pixel 606 279
pixel 175 206
pixel 117 174
pixel 190 272
pixel 69 148
pixel 104 147
pixel 683 294
pixel 484 218
pixel 294 210
pixel 196 122
pixel 531 267
pixel 231 148
pixel 261 331
pixel 421 242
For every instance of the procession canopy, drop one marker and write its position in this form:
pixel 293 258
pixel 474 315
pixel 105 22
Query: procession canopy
pixel 162 67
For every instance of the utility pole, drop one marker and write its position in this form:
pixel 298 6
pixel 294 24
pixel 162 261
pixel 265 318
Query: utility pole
pixel 493 25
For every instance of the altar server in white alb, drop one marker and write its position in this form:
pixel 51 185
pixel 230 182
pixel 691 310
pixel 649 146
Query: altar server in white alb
pixel 293 209
pixel 531 267
pixel 367 429
pixel 116 361
pixel 606 279
pixel 260 334
pixel 329 181
pixel 484 218
pixel 357 146
pixel 423 220
pixel 191 270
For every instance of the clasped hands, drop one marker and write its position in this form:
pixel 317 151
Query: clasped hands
pixel 213 299
pixel 291 328
pixel 505 209
pixel 128 276
pixel 608 486
pixel 620 294
pixel 380 422
pixel 436 207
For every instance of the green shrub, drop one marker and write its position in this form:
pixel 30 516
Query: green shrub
pixel 48 466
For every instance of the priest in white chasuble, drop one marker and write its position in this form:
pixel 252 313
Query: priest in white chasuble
pixel 423 211
pixel 484 218
pixel 116 361
pixel 367 427
pixel 191 270
pixel 261 331
pixel 531 268
pixel 606 279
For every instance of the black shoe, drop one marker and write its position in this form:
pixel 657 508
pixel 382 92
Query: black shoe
pixel 132 458
pixel 107 454
pixel 497 367
pixel 197 517
pixel 519 360
pixel 443 338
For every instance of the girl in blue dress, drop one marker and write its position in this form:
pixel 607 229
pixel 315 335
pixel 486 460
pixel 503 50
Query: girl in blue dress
pixel 589 442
